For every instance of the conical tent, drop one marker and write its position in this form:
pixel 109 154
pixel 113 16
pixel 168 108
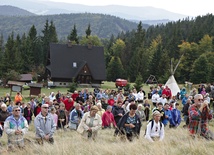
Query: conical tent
pixel 172 84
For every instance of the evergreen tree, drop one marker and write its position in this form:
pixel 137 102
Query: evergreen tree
pixel 138 82
pixel 115 69
pixel 199 73
pixel 46 41
pixel 52 32
pixel 88 31
pixel 73 35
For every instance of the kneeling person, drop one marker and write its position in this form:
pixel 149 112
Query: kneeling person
pixel 155 129
pixel 130 124
pixel 15 127
pixel 44 125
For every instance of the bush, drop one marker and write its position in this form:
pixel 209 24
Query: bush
pixel 73 86
pixel 138 82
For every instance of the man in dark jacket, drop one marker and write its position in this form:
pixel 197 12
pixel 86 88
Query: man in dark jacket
pixel 130 124
pixel 118 112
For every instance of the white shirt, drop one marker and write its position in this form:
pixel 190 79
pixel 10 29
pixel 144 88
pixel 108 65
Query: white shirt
pixel 162 100
pixel 136 96
pixel 155 98
pixel 140 96
pixel 127 107
pixel 155 131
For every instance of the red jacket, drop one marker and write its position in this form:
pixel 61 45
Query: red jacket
pixel 74 96
pixel 167 92
pixel 68 105
pixel 108 118
pixel 111 102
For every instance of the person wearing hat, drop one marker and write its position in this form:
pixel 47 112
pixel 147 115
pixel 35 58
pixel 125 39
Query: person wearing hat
pixel 90 124
pixel 155 128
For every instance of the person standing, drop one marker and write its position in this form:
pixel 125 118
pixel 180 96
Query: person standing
pixel 199 114
pixel 16 127
pixel 44 126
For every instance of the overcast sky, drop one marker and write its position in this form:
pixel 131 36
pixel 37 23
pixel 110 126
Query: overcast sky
pixel 186 7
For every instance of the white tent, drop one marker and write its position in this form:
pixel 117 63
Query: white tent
pixel 172 84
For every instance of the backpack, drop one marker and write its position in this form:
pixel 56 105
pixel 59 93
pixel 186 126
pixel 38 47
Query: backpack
pixel 153 125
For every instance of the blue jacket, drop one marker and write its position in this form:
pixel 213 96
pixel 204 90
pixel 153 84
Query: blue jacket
pixel 75 116
pixel 166 120
pixel 183 93
pixel 176 117
pixel 184 100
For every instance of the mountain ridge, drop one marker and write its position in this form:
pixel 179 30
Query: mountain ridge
pixel 127 12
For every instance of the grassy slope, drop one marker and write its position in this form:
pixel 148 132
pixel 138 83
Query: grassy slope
pixel 176 142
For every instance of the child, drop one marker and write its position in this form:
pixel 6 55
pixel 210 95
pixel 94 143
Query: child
pixel 54 115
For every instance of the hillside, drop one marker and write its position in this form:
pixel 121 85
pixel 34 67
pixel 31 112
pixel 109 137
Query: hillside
pixel 6 10
pixel 101 25
pixel 45 7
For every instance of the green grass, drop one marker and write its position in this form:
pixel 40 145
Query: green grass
pixel 46 91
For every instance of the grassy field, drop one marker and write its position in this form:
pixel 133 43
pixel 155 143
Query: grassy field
pixel 176 141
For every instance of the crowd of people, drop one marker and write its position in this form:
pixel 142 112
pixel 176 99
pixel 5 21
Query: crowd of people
pixel 88 112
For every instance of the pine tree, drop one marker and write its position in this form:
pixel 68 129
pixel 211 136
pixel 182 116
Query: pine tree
pixel 115 69
pixel 73 35
pixel 52 32
pixel 88 31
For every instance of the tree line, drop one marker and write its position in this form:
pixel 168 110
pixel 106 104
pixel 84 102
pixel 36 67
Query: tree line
pixel 132 54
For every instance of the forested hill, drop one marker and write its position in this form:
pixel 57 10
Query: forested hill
pixel 7 10
pixel 101 25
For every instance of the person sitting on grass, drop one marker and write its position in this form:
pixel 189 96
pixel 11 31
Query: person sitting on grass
pixel 155 128
pixel 176 117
